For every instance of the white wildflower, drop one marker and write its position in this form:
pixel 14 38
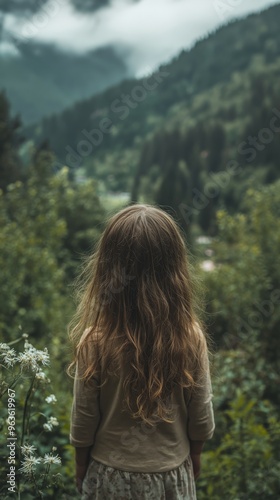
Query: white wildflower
pixel 28 360
pixel 9 357
pixel 31 357
pixel 52 422
pixel 43 356
pixel 41 376
pixel 29 464
pixel 28 449
pixel 51 399
pixel 51 459
pixel 47 427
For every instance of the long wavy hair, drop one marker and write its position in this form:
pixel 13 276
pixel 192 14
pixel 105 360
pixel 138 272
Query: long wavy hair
pixel 137 308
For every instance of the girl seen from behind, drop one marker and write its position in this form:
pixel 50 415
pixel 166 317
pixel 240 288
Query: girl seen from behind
pixel 142 406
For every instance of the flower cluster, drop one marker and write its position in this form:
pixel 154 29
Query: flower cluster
pixel 30 462
pixel 24 371
pixel 51 399
pixel 29 359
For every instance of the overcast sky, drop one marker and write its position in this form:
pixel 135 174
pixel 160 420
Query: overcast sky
pixel 147 33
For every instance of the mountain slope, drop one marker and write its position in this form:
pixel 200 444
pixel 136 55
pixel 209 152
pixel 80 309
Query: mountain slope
pixel 41 79
pixel 170 138
pixel 211 61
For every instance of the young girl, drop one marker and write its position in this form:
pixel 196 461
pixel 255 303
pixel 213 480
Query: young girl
pixel 142 405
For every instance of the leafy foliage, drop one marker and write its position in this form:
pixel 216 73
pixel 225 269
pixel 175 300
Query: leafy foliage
pixel 245 284
pixel 246 463
pixel 48 222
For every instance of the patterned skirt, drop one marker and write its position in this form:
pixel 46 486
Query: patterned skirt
pixel 105 483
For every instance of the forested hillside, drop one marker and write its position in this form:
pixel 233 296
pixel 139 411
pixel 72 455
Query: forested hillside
pixel 162 137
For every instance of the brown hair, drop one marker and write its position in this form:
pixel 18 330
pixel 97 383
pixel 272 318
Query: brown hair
pixel 137 308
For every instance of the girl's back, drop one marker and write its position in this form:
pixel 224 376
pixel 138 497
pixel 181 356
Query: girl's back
pixel 142 393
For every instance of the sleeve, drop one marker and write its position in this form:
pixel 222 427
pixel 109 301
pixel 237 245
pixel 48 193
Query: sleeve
pixel 85 413
pixel 201 423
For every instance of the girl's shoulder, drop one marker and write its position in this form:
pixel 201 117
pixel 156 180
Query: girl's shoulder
pixel 87 349
pixel 88 343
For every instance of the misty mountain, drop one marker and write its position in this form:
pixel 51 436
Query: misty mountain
pixel 42 79
pixel 212 61
pixel 172 134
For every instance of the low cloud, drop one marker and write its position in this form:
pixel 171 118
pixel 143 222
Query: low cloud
pixel 146 32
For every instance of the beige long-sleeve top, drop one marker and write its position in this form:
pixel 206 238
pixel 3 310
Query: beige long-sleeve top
pixel 119 441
